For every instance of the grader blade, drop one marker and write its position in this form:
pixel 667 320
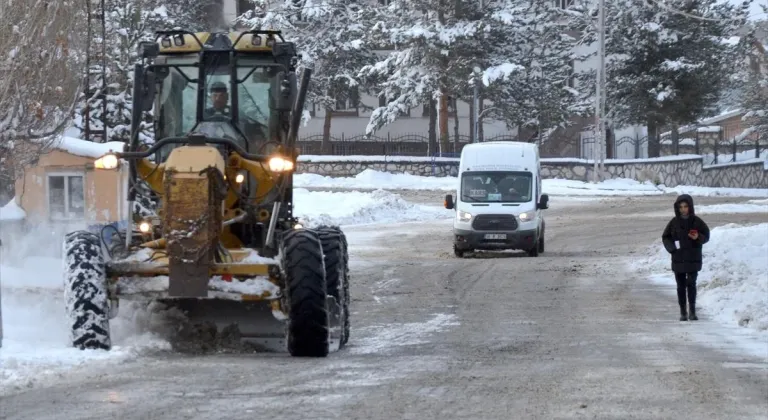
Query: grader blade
pixel 253 322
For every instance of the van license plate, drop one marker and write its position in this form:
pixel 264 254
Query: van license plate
pixel 496 236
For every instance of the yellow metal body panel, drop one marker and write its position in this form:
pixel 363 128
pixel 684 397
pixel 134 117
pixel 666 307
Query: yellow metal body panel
pixel 190 44
pixel 252 42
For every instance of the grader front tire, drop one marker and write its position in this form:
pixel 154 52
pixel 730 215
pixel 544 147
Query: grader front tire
pixel 85 291
pixel 306 290
pixel 336 257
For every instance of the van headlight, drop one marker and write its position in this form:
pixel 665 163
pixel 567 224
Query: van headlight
pixel 463 216
pixel 527 217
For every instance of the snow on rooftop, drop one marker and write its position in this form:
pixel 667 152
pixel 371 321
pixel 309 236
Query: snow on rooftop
pixel 85 148
pixel 12 211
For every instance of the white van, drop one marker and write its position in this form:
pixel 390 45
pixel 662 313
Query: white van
pixel 499 201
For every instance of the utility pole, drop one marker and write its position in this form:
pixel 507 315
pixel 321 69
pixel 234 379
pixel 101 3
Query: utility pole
pixel 476 92
pixel 476 100
pixel 598 149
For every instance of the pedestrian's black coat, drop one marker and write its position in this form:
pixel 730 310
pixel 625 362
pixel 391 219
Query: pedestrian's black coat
pixel 688 258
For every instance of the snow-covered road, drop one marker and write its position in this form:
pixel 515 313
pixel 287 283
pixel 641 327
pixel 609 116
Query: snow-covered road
pixel 570 334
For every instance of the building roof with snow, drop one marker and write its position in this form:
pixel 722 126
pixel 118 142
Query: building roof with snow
pixel 84 148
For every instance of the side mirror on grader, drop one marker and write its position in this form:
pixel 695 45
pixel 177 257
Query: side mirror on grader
pixel 222 244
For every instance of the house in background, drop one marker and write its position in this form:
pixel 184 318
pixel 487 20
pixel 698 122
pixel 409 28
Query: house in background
pixel 63 191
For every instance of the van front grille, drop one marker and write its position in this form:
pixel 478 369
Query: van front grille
pixel 494 222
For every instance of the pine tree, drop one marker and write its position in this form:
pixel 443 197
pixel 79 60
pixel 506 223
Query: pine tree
pixel 331 37
pixel 667 65
pixel 518 45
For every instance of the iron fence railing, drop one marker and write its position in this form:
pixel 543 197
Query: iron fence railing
pixel 401 145
pixel 712 147
pixel 710 144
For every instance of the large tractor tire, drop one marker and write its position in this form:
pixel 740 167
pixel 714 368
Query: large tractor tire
pixel 336 258
pixel 304 271
pixel 85 291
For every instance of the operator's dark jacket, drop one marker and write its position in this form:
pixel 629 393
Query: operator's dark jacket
pixel 688 258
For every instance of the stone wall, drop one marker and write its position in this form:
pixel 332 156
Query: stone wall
pixel 670 171
pixel 746 175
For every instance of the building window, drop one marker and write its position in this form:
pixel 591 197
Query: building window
pixel 244 6
pixel 564 4
pixel 66 197
pixel 347 102
pixel 571 75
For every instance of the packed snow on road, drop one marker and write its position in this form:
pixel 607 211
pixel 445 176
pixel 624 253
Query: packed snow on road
pixel 35 347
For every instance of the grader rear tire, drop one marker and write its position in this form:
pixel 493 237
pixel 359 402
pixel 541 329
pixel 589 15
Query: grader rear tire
pixel 336 259
pixel 85 291
pixel 304 270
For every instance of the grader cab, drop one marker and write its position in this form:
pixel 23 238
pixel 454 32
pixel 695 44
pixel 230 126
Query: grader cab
pixel 222 243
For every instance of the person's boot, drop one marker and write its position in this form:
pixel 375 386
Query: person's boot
pixel 692 302
pixel 681 302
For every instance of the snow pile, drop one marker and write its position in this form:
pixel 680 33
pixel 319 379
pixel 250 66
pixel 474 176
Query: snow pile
pixel 35 331
pixel 733 283
pixel 86 148
pixel 370 179
pixel 12 211
pixel 351 208
pixel 609 187
pixel 753 206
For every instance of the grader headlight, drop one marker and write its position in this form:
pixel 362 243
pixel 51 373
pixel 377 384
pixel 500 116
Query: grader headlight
pixel 108 161
pixel 280 164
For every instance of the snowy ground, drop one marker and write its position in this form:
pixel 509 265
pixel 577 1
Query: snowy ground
pixel 416 308
pixel 370 179
pixel 733 283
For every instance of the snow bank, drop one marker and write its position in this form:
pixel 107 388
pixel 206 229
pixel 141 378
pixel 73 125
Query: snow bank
pixel 749 207
pixel 354 207
pixel 86 148
pixel 36 336
pixel 733 283
pixel 370 179
pixel 12 211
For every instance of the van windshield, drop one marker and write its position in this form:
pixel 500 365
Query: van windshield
pixel 496 187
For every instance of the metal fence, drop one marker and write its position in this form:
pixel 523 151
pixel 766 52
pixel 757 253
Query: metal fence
pixel 401 145
pixel 712 146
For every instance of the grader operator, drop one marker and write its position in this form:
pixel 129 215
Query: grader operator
pixel 222 244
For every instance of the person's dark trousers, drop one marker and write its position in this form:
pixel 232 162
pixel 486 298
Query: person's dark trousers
pixel 686 284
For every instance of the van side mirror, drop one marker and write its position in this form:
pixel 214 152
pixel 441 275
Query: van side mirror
pixel 448 203
pixel 281 91
pixel 543 202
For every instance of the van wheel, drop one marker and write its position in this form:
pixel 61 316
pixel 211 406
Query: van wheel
pixel 457 252
pixel 541 242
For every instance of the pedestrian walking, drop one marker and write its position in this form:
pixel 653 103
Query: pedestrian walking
pixel 683 238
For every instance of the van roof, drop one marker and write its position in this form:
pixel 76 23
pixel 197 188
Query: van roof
pixel 499 155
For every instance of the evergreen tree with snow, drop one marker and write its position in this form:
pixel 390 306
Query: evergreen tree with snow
pixel 518 46
pixel 332 38
pixel 667 62
pixel 127 22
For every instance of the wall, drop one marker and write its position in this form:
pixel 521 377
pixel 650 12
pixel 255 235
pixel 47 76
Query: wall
pixel 670 171
pixel 102 188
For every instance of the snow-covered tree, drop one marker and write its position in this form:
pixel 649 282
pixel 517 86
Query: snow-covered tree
pixel 41 66
pixel 519 47
pixel 332 38
pixel 127 23
pixel 668 65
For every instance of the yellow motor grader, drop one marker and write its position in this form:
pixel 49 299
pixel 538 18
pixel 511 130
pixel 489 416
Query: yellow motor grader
pixel 222 243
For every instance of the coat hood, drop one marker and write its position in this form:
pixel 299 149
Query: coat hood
pixel 687 198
